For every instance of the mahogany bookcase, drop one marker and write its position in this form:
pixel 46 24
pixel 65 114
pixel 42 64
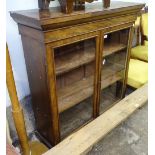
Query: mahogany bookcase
pixel 73 59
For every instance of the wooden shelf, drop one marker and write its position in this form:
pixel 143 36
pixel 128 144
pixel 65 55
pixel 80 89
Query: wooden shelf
pixel 79 91
pixel 110 48
pixel 75 59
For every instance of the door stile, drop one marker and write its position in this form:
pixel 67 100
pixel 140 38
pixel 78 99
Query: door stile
pixel 130 38
pixel 97 80
pixel 53 95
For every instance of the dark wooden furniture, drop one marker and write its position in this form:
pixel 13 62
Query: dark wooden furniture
pixel 67 6
pixel 71 58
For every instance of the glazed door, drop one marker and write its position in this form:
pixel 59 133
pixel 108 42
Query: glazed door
pixel 114 67
pixel 76 83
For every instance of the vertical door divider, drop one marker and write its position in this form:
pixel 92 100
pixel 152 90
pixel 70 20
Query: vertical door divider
pixel 130 38
pixel 97 80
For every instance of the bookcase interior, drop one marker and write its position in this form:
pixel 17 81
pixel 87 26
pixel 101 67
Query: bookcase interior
pixel 75 70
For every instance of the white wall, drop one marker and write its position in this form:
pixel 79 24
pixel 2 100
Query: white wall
pixel 137 1
pixel 15 45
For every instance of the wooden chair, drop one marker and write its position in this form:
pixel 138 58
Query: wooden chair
pixel 138 73
pixel 141 51
pixel 138 66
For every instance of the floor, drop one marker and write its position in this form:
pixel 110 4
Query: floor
pixel 129 138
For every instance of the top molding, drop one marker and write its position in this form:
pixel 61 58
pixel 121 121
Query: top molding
pixel 53 17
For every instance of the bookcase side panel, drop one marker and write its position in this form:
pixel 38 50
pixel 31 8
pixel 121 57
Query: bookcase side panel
pixel 34 53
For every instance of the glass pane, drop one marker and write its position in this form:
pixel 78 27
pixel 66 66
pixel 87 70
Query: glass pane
pixel 113 68
pixel 75 68
pixel 75 117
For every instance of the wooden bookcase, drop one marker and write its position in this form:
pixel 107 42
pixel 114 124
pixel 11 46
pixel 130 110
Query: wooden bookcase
pixel 76 59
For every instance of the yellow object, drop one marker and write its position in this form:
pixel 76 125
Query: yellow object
pixel 17 112
pixel 138 73
pixel 33 148
pixel 137 22
pixel 37 148
pixel 140 52
pixel 144 23
pixel 146 43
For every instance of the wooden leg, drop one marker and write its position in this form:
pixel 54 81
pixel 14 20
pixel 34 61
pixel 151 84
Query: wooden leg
pixel 119 85
pixel 17 111
pixel 66 6
pixel 138 35
pixel 43 4
pixel 106 3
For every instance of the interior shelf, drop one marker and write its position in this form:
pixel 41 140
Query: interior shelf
pixel 110 48
pixel 75 59
pixel 81 90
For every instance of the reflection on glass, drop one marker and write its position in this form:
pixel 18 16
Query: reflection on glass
pixel 113 68
pixel 75 68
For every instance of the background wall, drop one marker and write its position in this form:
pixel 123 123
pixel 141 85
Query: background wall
pixel 15 45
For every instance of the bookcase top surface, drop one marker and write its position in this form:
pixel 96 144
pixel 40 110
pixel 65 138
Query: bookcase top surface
pixel 39 18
